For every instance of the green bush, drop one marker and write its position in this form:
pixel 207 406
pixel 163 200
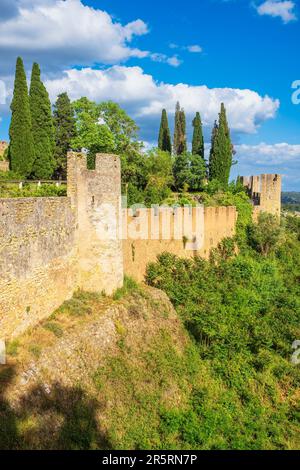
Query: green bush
pixel 32 190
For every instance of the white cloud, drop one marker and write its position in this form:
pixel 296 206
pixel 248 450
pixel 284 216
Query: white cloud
pixel 173 61
pixel 277 8
pixel 144 98
pixel 269 154
pixel 194 49
pixel 3 93
pixel 282 158
pixel 61 33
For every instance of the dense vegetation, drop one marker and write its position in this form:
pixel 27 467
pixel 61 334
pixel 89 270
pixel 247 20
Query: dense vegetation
pixel 243 313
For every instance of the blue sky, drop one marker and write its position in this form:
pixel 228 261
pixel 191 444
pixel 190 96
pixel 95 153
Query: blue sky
pixel 146 55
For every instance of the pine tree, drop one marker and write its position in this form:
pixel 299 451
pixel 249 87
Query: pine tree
pixel 164 139
pixel 221 151
pixel 180 145
pixel 65 131
pixel 21 148
pixel 42 127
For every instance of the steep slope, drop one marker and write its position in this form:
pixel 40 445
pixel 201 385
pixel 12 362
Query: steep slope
pixel 95 374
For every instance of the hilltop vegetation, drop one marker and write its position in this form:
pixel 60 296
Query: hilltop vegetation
pixel 40 140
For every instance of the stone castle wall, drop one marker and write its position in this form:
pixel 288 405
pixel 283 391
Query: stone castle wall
pixel 4 165
pixel 182 231
pixel 37 260
pixel 3 147
pixel 265 193
pixel 49 247
pixel 96 200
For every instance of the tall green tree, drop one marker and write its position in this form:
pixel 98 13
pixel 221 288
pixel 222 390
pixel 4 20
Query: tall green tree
pixel 198 173
pixel 212 164
pixel 65 131
pixel 221 151
pixel 122 126
pixel 42 127
pixel 198 164
pixel 164 139
pixel 92 133
pixel 180 145
pixel 182 171
pixel 198 139
pixel 21 148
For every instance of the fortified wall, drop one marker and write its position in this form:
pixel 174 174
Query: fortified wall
pixel 52 246
pixel 49 247
pixel 183 231
pixel 4 165
pixel 264 192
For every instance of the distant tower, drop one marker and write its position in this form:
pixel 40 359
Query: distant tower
pixel 265 192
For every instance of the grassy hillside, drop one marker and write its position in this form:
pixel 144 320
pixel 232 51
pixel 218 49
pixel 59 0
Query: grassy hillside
pixel 99 373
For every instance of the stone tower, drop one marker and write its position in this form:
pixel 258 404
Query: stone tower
pixel 265 193
pixel 96 200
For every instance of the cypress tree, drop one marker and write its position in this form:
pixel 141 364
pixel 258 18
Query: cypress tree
pixel 42 127
pixel 198 164
pixel 181 171
pixel 65 131
pixel 198 139
pixel 213 164
pixel 164 139
pixel 221 151
pixel 21 147
pixel 180 145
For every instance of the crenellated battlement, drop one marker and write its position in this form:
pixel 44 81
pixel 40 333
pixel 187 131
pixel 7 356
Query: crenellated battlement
pixel 49 247
pixel 265 192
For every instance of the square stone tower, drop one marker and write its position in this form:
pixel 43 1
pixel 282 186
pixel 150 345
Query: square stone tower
pixel 265 192
pixel 96 200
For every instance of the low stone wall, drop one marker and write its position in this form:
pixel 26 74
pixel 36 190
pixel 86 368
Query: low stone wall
pixel 202 232
pixel 37 254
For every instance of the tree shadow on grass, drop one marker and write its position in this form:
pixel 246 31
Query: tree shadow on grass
pixel 8 421
pixel 60 417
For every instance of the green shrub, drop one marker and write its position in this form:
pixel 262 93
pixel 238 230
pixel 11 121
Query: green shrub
pixel 243 313
pixel 129 287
